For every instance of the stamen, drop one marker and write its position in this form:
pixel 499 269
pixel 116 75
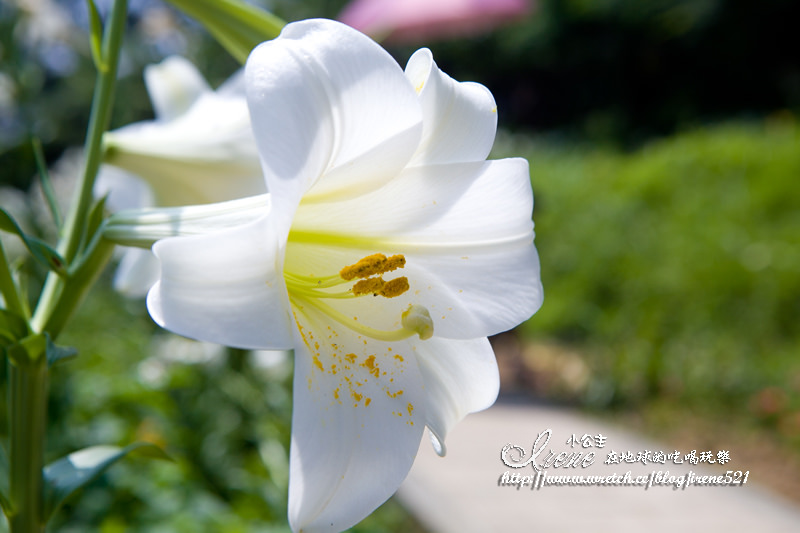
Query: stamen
pixel 313 292
pixel 395 287
pixel 413 320
pixel 372 265
pixel 319 283
pixel 377 286
pixel 367 286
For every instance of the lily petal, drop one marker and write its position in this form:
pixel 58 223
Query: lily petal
pixel 174 85
pixel 143 227
pixel 460 377
pixel 357 416
pixel 225 287
pixel 325 99
pixel 459 118
pixel 484 294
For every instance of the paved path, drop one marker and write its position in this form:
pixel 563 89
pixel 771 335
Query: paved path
pixel 462 493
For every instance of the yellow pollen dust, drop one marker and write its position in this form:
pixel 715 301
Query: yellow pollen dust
pixel 372 265
pixel 369 364
pixel 379 287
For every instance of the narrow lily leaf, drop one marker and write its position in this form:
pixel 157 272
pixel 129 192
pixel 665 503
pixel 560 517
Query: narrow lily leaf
pixel 38 249
pixel 47 186
pixel 65 476
pixel 237 26
pixel 12 328
pixel 96 214
pixel 96 37
pixel 58 354
pixel 6 505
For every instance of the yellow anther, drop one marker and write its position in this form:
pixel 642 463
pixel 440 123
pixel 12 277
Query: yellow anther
pixel 369 286
pixel 395 287
pixel 394 262
pixel 372 265
pixel 376 286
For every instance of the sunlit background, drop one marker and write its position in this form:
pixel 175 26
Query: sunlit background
pixel 665 161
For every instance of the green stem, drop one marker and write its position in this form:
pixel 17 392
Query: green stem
pixel 80 281
pixel 53 291
pixel 8 288
pixel 61 295
pixel 27 406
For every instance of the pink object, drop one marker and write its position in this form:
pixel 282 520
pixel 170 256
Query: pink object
pixel 415 20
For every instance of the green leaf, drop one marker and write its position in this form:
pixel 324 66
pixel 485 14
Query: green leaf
pixel 38 249
pixel 237 26
pixel 58 354
pixel 94 221
pixel 96 216
pixel 96 37
pixel 4 489
pixel 13 328
pixel 47 185
pixel 65 476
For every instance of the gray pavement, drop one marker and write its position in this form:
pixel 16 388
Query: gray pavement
pixel 463 493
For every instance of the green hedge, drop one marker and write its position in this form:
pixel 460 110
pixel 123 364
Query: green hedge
pixel 676 268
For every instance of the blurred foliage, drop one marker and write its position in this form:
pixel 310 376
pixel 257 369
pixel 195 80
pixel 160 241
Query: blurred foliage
pixel 47 75
pixel 625 70
pixel 675 269
pixel 615 71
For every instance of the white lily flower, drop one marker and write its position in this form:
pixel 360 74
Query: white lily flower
pixel 199 149
pixel 388 250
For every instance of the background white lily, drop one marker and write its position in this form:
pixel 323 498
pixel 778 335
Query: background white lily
pixel 363 159
pixel 199 149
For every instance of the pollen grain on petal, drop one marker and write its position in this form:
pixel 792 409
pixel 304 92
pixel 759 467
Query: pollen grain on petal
pixel 369 364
